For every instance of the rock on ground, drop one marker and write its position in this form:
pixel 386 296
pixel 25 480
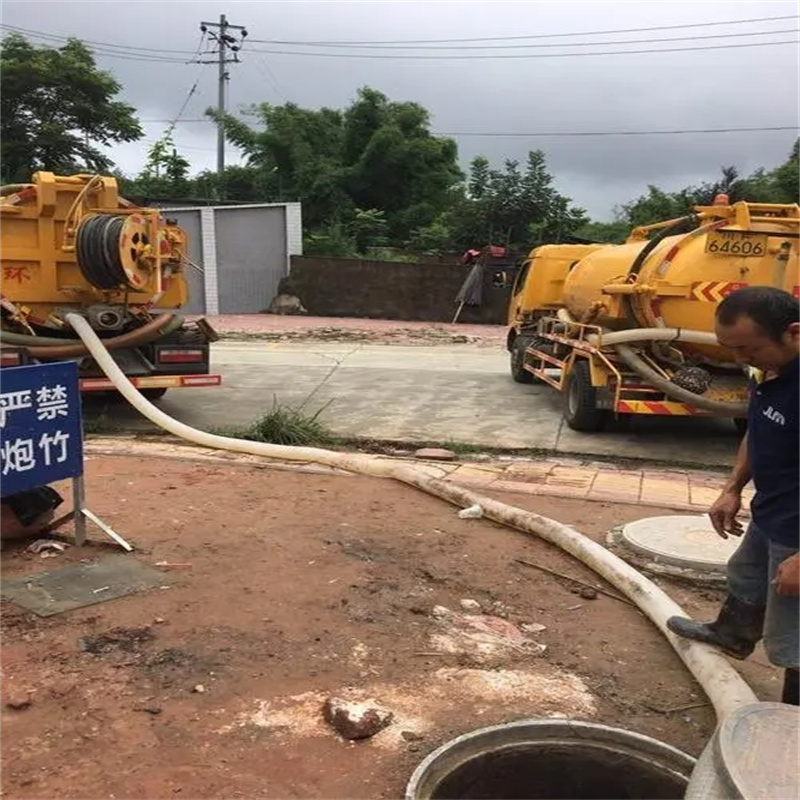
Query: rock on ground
pixel 356 720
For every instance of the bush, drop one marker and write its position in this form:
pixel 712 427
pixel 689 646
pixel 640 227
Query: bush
pixel 290 426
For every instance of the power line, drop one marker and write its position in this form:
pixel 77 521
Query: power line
pixel 625 133
pixel 101 50
pixel 577 133
pixel 166 56
pixel 60 37
pixel 558 44
pixel 469 57
pixel 533 36
pixel 271 77
pixel 191 91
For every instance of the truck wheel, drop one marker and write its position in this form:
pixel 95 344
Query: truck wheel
pixel 518 371
pixel 580 401
pixel 153 393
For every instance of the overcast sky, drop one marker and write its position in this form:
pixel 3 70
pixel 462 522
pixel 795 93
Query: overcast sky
pixel 690 89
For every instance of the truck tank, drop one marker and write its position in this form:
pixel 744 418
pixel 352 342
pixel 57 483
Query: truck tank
pixel 676 278
pixel 73 244
pixel 73 241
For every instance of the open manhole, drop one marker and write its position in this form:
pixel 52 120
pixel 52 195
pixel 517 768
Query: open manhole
pixel 553 759
pixel 679 546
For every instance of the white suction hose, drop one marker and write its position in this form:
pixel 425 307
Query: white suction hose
pixel 612 338
pixel 656 335
pixel 720 681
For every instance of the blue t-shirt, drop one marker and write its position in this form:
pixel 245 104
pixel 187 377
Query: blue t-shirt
pixel 772 436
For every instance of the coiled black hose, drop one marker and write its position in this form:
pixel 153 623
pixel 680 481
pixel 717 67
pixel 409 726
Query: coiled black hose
pixel 98 251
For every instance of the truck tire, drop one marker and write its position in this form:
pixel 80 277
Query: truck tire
pixel 518 371
pixel 154 393
pixel 580 401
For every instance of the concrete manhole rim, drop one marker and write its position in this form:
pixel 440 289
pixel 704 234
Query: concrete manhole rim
pixel 666 539
pixel 706 578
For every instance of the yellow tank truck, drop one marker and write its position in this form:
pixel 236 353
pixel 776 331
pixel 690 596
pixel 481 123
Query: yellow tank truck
pixel 629 329
pixel 72 244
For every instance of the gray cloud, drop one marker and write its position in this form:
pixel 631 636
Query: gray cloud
pixel 738 87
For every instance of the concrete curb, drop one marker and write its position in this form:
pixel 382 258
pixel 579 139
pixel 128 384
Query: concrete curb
pixel 676 490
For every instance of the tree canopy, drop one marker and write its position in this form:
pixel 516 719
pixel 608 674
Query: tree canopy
pixel 375 156
pixel 512 206
pixel 56 106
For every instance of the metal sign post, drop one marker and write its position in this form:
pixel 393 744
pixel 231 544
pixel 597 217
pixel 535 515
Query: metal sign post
pixel 41 437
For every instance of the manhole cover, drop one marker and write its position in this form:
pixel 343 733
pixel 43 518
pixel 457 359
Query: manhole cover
pixel 689 542
pixel 770 729
pixel 82 584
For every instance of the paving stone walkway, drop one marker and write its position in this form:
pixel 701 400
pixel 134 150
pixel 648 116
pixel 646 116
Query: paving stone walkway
pixel 678 490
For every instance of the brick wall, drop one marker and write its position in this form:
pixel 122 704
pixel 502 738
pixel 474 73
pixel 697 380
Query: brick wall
pixel 340 287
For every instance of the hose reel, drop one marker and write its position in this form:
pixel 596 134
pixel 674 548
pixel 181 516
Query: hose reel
pixel 115 252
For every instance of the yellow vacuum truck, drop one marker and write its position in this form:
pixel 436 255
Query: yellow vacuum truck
pixel 629 329
pixel 72 244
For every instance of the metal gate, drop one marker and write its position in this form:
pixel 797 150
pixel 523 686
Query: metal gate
pixel 244 252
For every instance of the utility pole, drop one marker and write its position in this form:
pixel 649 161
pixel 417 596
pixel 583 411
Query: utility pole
pixel 218 32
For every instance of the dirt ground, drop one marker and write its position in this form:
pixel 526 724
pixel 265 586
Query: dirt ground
pixel 296 587
pixel 343 329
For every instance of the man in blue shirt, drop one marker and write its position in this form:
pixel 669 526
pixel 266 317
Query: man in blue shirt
pixel 760 326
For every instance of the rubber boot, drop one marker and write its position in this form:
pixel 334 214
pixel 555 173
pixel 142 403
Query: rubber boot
pixel 736 630
pixel 791 687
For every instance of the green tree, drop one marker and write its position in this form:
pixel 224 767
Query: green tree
pixel 369 228
pixel 779 185
pixel 479 175
pixel 785 180
pixel 56 106
pixel 297 155
pixel 608 232
pixel 512 206
pixel 375 155
pixel 238 182
pixel 165 173
pixel 432 239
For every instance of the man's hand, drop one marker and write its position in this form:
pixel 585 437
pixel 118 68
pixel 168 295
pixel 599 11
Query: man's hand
pixel 723 514
pixel 787 578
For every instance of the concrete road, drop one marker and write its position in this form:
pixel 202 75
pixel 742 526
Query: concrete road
pixel 436 393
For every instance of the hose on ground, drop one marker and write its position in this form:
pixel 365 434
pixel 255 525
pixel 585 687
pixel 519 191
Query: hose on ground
pixel 672 390
pixel 726 690
pixel 68 348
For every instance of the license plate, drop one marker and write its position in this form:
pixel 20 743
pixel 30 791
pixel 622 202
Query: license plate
pixel 736 243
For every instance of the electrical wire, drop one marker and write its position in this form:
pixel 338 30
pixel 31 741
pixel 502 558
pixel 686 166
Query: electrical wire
pixel 117 45
pixel 165 56
pixel 555 44
pixel 561 134
pixel 261 63
pixel 189 95
pixel 648 51
pixel 575 133
pixel 537 35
